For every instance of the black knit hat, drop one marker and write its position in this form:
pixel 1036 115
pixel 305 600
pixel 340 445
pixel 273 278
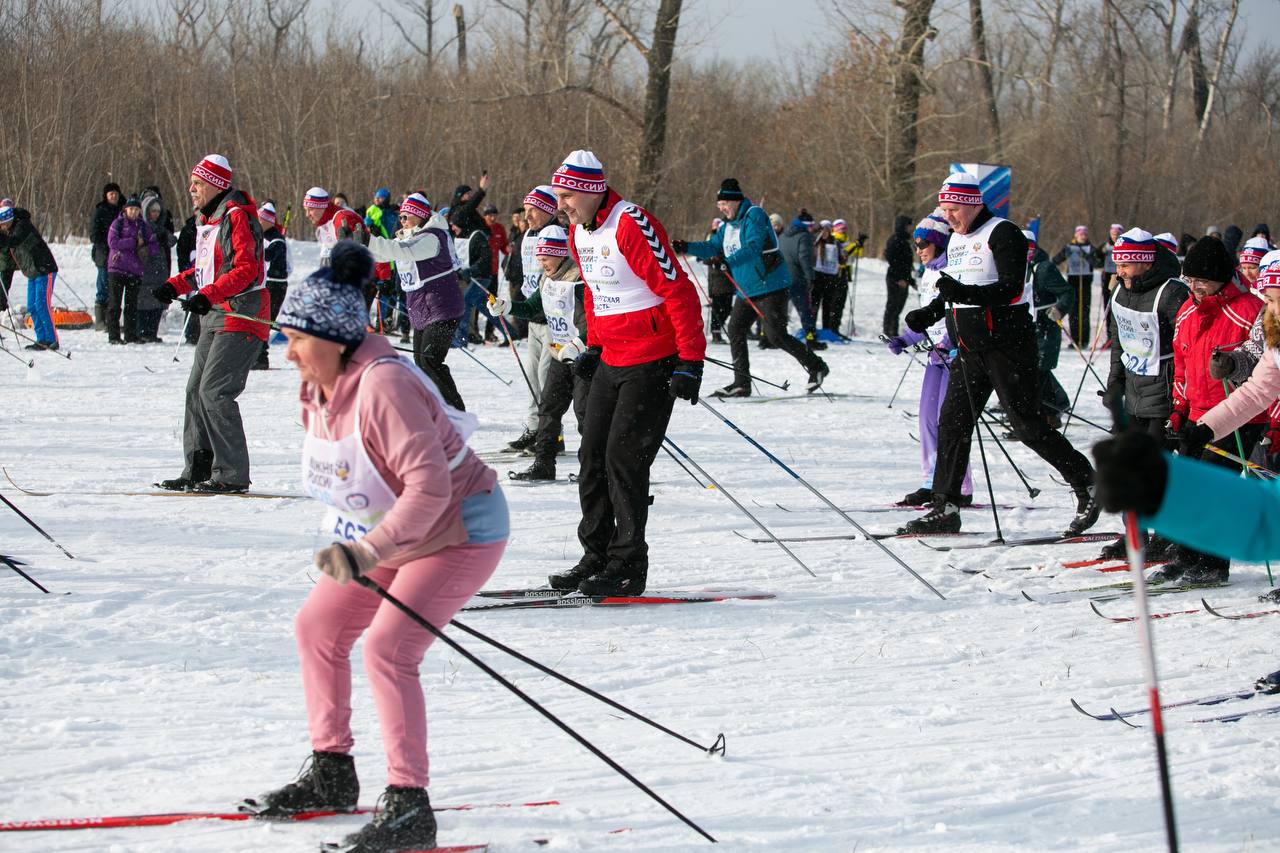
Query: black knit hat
pixel 730 191
pixel 805 215
pixel 1209 259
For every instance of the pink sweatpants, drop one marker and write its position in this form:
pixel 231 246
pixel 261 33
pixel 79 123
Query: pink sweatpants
pixel 334 617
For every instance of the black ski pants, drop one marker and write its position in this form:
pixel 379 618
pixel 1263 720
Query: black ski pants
pixel 1013 375
pixel 1078 320
pixel 276 289
pixel 773 319
pixel 894 301
pixel 628 409
pixel 827 300
pixel 122 291
pixel 430 346
pixel 721 308
pixel 560 389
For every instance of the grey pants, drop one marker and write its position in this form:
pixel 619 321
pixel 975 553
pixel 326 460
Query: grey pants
pixel 212 419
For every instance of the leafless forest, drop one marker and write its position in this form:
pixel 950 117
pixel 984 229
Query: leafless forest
pixel 1137 111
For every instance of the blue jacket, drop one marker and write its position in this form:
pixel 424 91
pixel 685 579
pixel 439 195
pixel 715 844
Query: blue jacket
pixel 1212 509
pixel 741 241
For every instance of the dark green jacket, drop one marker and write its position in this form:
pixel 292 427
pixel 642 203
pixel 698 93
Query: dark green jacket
pixel 531 308
pixel 28 250
pixel 1050 288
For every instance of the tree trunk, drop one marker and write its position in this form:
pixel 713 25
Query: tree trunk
pixel 1224 42
pixel 904 113
pixel 986 82
pixel 460 20
pixel 1195 58
pixel 659 58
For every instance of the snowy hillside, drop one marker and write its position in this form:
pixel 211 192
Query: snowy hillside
pixel 861 712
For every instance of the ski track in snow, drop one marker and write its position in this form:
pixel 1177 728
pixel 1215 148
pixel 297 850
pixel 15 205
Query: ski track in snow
pixel 861 712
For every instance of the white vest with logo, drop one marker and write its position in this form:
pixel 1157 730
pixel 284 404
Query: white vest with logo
pixel 970 261
pixel 327 237
pixel 928 291
pixel 559 306
pixel 828 259
pixel 529 263
pixel 615 288
pixel 1139 334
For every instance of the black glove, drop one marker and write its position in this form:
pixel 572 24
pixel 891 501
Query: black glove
pixel 197 303
pixel 680 246
pixel 1221 365
pixel 919 320
pixel 948 288
pixel 584 366
pixel 165 293
pixel 686 379
pixel 1132 473
pixel 1192 439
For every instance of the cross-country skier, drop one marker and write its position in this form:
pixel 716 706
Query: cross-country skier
pixel 645 348
pixel 228 274
pixel 984 294
pixel 21 240
pixel 332 221
pixel 410 507
pixel 930 239
pixel 275 253
pixel 1052 299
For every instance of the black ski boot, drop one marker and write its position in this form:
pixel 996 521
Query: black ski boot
pixel 1207 570
pixel 1272 597
pixel 619 578
pixel 732 390
pixel 532 450
pixel 201 469
pixel 1159 548
pixel 920 497
pixel 1087 512
pixel 540 471
pixel 943 517
pixel 217 487
pixel 1171 573
pixel 1268 683
pixel 568 581
pixel 328 784
pixel 404 821
pixel 963 501
pixel 525 440
pixel 817 375
pixel 1114 551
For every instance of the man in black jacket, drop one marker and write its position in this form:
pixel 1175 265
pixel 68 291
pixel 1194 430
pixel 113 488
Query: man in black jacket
pixel 104 213
pixel 989 322
pixel 897 251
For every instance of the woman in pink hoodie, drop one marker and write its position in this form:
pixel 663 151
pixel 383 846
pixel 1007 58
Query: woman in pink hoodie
pixel 409 506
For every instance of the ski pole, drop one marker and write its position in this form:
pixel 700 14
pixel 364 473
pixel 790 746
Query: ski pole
pixel 853 294
pixel 511 342
pixel 702 294
pixel 743 294
pixel 982 451
pixel 1260 471
pixel 37 528
pixel 785 467
pixel 1031 491
pixel 25 337
pixel 900 381
pixel 377 589
pixel 1075 346
pixel 676 459
pixel 1093 345
pixel 30 363
pixel 13 564
pixel 716 748
pixel 487 368
pixel 182 336
pixel 741 508
pixel 62 280
pixel 728 366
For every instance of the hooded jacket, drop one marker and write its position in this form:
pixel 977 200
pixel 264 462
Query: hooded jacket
pixel 29 251
pixel 1220 320
pixel 897 250
pixel 796 244
pixel 104 213
pixel 237 264
pixel 742 242
pixel 1149 396
pixel 130 242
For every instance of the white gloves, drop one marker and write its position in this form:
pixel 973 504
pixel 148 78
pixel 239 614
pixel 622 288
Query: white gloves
pixel 569 352
pixel 500 305
pixel 334 562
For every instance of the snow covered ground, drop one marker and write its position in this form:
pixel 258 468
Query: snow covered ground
pixel 861 712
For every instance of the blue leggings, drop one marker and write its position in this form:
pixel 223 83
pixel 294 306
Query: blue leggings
pixel 40 307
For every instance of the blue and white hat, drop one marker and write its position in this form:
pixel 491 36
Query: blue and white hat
pixel 6 214
pixel 961 188
pixel 933 229
pixel 1253 250
pixel 581 171
pixel 1167 240
pixel 316 197
pixel 542 198
pixel 329 303
pixel 553 242
pixel 1134 246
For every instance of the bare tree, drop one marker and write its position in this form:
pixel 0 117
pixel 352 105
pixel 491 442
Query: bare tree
pixel 903 135
pixel 460 21
pixel 982 68
pixel 425 13
pixel 282 14
pixel 1224 41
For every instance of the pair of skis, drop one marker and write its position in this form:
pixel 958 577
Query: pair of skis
pixel 544 598
pixel 1199 701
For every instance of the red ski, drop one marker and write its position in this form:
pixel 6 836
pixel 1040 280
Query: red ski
pixel 122 821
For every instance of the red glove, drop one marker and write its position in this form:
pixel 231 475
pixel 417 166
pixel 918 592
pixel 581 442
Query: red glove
pixel 1177 421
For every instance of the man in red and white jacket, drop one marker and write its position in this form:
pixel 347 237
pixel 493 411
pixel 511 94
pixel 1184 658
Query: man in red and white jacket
pixel 228 273
pixel 645 348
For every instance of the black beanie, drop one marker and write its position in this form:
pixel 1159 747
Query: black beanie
pixel 1210 259
pixel 805 216
pixel 730 191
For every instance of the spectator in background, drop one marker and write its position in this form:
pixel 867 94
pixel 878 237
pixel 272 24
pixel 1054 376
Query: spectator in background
pixel 340 199
pixel 1104 255
pixel 104 213
pixel 1231 238
pixel 130 241
pixel 156 269
pixel 719 290
pixel 775 221
pixel 897 251
pixel 1263 230
pixel 796 244
pixel 499 248
pixel 826 279
pixel 275 257
pixel 186 260
pixel 1081 258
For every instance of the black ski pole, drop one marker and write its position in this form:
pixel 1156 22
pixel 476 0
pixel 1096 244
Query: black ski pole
pixel 982 451
pixel 511 342
pixel 528 700
pixel 30 363
pixel 900 381
pixel 24 336
pixel 37 528
pixel 1031 491
pixel 802 481
pixel 741 508
pixel 676 459
pixel 716 748
pixel 11 563
pixel 490 370
pixel 729 366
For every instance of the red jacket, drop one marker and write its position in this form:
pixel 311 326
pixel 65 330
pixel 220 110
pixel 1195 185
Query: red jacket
pixel 1221 320
pixel 497 243
pixel 672 328
pixel 347 223
pixel 237 265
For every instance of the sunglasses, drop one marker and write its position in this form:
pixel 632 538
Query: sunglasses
pixel 923 244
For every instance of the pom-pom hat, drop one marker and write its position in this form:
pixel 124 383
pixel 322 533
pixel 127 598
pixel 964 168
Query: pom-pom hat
pixel 317 198
pixel 214 170
pixel 1254 249
pixel 933 229
pixel 416 204
pixel 553 242
pixel 581 171
pixel 961 188
pixel 267 213
pixel 1134 246
pixel 542 198
pixel 329 303
pixel 6 214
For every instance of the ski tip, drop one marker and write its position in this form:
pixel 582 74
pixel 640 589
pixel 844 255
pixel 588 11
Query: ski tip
pixel 1027 597
pixel 1117 715
pixel 1077 706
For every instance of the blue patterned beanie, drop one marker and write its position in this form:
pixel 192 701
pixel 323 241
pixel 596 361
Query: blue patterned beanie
pixel 329 303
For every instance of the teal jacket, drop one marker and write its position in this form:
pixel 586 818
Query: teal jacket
pixel 741 243
pixel 1216 511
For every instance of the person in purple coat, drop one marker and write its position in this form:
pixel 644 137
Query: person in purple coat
pixel 130 240
pixel 422 251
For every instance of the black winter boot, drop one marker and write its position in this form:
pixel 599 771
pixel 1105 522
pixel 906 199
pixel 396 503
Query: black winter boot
pixel 920 497
pixel 201 469
pixel 525 440
pixel 541 470
pixel 620 577
pixel 1087 512
pixel 328 784
pixel 568 581
pixel 943 517
pixel 404 821
pixel 218 487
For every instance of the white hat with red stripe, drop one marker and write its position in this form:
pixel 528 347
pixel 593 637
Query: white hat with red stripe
pixel 553 242
pixel 416 204
pixel 961 188
pixel 1167 240
pixel 316 197
pixel 1134 246
pixel 214 170
pixel 1254 249
pixel 581 171
pixel 542 198
pixel 267 213
pixel 1269 271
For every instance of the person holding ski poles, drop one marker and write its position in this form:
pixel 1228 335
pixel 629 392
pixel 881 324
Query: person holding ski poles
pixel 411 507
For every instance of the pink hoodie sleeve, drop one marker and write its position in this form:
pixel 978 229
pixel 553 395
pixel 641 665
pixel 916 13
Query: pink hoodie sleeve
pixel 1247 401
pixel 408 437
